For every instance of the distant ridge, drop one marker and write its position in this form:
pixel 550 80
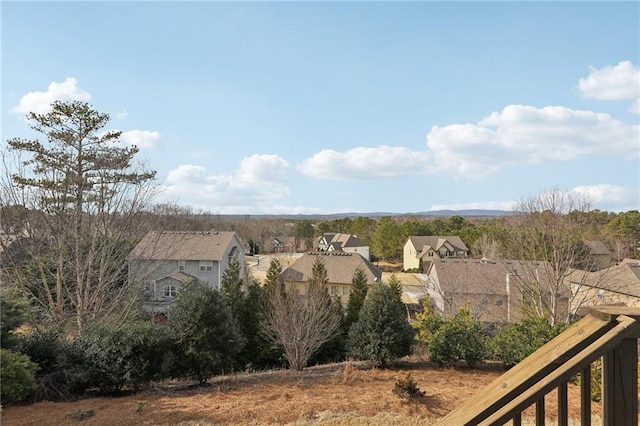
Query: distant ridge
pixel 431 213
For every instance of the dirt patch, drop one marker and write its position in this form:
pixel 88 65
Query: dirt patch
pixel 337 394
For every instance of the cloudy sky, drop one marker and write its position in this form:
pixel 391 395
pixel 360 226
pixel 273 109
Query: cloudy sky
pixel 333 107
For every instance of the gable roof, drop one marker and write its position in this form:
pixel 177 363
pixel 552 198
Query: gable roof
pixel 340 241
pixel 483 276
pixel 597 247
pixel 340 267
pixel 185 245
pixel 623 278
pixel 422 244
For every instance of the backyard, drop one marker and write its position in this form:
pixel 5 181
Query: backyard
pixel 335 394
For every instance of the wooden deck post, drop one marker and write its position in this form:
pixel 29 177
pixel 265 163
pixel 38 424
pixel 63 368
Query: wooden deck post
pixel 620 385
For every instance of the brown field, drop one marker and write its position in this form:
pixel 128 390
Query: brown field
pixel 336 394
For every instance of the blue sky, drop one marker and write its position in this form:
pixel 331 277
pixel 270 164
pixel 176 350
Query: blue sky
pixel 333 107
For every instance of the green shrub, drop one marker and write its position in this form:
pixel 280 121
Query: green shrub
pixel 459 338
pixel 382 332
pixel 518 340
pixel 13 313
pixel 62 371
pixel 205 332
pixel 17 375
pixel 125 355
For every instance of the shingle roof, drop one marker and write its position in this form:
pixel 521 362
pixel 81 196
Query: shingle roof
pixel 436 242
pixel 597 247
pixel 340 267
pixel 623 278
pixel 339 241
pixel 184 245
pixel 484 277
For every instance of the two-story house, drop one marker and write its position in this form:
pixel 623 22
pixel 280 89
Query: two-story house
pixel 164 261
pixel 340 268
pixel 494 291
pixel 347 243
pixel 419 251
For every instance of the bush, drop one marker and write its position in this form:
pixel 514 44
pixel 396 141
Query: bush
pixel 407 388
pixel 516 341
pixel 382 332
pixel 205 331
pixel 125 355
pixel 61 363
pixel 459 338
pixel 17 375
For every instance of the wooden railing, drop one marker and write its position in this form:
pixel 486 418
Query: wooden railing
pixel 607 332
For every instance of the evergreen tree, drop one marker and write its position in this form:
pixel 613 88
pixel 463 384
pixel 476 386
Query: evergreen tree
pixel 89 192
pixel 357 296
pixel 274 276
pixel 382 332
pixel 231 288
pixel 205 331
pixel 396 286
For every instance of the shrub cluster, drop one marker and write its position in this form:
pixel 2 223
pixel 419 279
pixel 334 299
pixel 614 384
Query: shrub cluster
pixel 464 338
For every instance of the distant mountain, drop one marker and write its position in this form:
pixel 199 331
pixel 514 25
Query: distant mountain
pixel 432 213
pixel 471 212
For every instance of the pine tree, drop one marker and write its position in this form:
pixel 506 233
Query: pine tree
pixel 382 333
pixel 88 192
pixel 357 296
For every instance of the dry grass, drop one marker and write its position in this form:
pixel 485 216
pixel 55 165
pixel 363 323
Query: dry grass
pixel 338 394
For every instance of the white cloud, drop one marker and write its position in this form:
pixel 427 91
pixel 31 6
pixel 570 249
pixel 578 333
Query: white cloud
pixel 611 197
pixel 518 134
pixel 40 102
pixel 613 83
pixel 364 163
pixel 523 134
pixel 258 182
pixel 122 114
pixel 141 138
pixel 480 205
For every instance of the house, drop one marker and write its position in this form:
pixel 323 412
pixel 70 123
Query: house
pixel 164 261
pixel 283 245
pixel 347 243
pixel 599 256
pixel 616 285
pixel 419 251
pixel 340 267
pixel 494 292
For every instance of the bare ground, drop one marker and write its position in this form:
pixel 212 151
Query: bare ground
pixel 336 394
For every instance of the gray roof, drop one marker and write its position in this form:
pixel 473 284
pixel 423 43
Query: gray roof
pixel 437 242
pixel 185 245
pixel 340 241
pixel 623 278
pixel 472 276
pixel 340 267
pixel 597 247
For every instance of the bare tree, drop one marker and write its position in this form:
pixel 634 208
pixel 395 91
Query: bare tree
pixel 553 258
pixel 301 321
pixel 81 193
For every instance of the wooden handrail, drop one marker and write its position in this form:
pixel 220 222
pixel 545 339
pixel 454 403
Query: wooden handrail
pixel 605 332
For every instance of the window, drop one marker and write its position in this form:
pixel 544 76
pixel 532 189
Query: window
pixel 180 265
pixel 170 290
pixel 206 265
pixel 498 302
pixel 345 291
pixel 334 290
